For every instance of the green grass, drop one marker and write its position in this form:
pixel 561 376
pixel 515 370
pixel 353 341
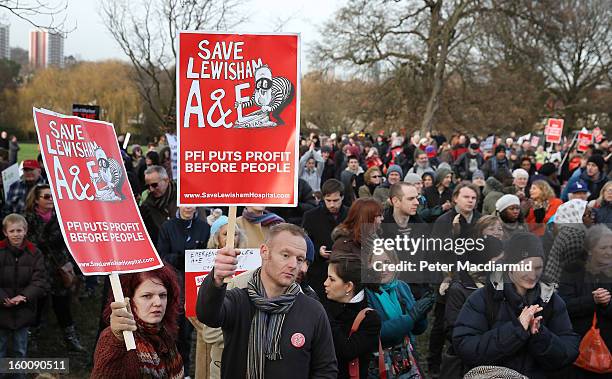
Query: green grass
pixel 28 151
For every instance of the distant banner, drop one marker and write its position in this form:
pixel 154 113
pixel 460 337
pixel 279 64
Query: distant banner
pixel 93 200
pixel 238 118
pixel 199 263
pixel 91 112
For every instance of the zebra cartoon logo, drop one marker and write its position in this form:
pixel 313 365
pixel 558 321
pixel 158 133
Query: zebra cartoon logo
pixel 271 95
pixel 109 179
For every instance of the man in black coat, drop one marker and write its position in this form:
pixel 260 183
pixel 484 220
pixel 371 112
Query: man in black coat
pixel 271 329
pixel 160 204
pixel 404 198
pixel 319 223
pixel 402 219
pixel 462 216
pixel 330 167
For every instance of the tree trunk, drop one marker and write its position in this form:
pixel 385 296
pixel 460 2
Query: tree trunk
pixel 438 81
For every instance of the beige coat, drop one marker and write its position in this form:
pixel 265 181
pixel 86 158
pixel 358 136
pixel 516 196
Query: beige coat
pixel 256 233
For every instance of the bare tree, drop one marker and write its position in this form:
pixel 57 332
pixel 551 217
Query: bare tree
pixel 424 35
pixel 46 15
pixel 146 31
pixel 568 41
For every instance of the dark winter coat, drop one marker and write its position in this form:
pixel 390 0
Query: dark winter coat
pixel 22 272
pixel 462 165
pixel 233 311
pixel 458 292
pixel 306 202
pixel 177 235
pixel 329 172
pixel 49 240
pixel 506 343
pixel 493 167
pixel 319 224
pixel 433 209
pixel 576 289
pixel 443 226
pixel 157 211
pixel 390 228
pixel 361 344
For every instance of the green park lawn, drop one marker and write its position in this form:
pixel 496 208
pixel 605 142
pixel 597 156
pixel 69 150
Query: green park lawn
pixel 28 151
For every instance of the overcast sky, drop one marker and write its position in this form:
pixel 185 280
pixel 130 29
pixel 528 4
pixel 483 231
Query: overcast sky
pixel 91 40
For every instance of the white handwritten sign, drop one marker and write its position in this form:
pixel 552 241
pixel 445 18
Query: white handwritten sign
pixel 199 263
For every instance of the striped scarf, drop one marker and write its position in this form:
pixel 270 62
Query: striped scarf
pixel 156 350
pixel 266 219
pixel 267 324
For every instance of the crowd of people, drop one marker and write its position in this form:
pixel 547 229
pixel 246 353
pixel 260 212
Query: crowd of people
pixel 317 308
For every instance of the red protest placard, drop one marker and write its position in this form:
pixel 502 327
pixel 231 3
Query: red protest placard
pixel 237 118
pixel 584 140
pixel 93 200
pixel 554 130
pixel 198 263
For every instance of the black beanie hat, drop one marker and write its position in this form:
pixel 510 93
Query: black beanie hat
pixel 522 245
pixel 598 160
pixel 499 148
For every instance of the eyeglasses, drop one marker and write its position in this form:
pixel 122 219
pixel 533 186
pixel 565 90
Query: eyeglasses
pixel 375 176
pixel 47 196
pixel 153 185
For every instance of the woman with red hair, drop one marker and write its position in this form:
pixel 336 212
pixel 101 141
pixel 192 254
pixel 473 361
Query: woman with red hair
pixel 363 220
pixel 150 311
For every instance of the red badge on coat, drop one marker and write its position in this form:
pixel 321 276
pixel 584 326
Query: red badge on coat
pixel 298 340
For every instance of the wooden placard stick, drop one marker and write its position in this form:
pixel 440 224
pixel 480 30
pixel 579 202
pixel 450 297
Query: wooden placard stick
pixel 128 335
pixel 231 231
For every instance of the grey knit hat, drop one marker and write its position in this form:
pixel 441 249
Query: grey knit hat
pixel 395 168
pixel 412 178
pixel 478 174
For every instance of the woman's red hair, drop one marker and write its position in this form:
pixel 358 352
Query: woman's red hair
pixel 362 213
pixel 167 276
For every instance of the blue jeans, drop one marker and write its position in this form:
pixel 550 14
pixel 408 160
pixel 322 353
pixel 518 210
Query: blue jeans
pixel 20 344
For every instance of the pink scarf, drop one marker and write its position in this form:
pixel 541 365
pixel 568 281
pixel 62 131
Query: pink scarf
pixel 45 215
